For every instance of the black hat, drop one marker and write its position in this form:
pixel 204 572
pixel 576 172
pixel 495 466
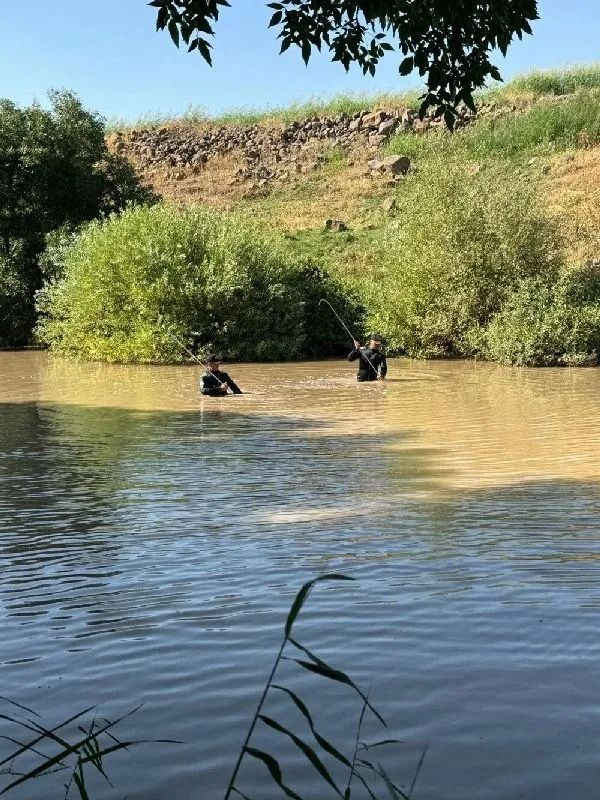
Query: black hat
pixel 213 358
pixel 376 337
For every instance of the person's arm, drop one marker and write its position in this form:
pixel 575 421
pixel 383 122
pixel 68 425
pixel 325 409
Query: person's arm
pixel 383 368
pixel 232 385
pixel 355 353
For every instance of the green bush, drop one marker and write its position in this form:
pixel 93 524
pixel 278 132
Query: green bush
pixel 463 241
pixel 135 284
pixel 547 323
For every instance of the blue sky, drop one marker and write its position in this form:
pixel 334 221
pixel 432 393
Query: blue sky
pixel 108 52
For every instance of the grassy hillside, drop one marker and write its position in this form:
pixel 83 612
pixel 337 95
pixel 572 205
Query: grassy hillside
pixel 524 176
pixel 548 133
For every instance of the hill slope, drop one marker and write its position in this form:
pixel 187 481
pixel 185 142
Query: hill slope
pixel 370 192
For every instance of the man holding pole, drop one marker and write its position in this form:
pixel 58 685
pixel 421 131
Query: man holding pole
pixel 372 362
pixel 215 383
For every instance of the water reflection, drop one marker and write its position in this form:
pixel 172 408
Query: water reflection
pixel 148 554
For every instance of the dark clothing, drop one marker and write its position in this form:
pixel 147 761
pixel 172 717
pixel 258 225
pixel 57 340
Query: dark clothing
pixel 365 371
pixel 210 384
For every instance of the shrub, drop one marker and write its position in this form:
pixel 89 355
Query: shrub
pixel 463 242
pixel 548 323
pixel 137 284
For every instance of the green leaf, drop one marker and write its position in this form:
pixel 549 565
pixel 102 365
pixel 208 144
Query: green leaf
pixel 174 31
pixel 395 793
pixel 273 766
pixel 306 49
pixel 300 598
pixel 326 745
pixel 365 784
pixel 204 50
pixel 337 675
pixel 366 746
pixel 305 748
pixel 241 794
pixel 418 770
pixel 407 65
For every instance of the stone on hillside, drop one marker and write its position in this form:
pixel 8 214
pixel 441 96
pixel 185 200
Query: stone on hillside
pixel 397 165
pixel 389 205
pixel 387 127
pixel 376 165
pixel 374 119
pixel 356 124
pixel 375 140
pixel 335 225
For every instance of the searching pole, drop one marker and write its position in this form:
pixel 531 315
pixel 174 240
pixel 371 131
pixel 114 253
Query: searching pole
pixel 350 334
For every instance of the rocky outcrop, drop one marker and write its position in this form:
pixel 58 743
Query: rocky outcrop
pixel 267 154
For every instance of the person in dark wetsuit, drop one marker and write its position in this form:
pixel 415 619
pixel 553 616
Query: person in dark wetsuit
pixel 372 362
pixel 213 382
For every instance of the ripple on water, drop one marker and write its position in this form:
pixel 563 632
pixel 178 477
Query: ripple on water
pixel 150 544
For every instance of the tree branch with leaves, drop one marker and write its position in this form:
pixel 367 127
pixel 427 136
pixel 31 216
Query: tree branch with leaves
pixel 448 42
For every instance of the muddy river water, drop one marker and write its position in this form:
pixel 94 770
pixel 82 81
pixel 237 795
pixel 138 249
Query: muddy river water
pixel 151 542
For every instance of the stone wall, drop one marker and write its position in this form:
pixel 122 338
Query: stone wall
pixel 266 153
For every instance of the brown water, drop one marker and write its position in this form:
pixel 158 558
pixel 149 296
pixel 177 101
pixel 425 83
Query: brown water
pixel 151 542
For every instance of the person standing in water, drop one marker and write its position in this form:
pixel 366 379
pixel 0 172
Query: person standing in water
pixel 213 382
pixel 372 362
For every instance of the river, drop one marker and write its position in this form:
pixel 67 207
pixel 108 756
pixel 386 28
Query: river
pixel 151 543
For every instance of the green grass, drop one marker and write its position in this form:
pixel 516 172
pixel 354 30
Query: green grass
pixel 531 86
pixel 313 107
pixel 545 128
pixel 557 81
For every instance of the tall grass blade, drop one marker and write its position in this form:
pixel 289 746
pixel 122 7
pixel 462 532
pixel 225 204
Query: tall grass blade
pixel 273 766
pixel 18 705
pixel 365 784
pixel 324 743
pixel 378 770
pixel 80 783
pixel 31 744
pixel 305 748
pixel 365 746
pixel 241 794
pixel 57 759
pixel 321 668
pixel 395 792
pixel 302 595
pixel 418 770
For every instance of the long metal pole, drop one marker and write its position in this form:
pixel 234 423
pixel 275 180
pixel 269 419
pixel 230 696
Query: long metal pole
pixel 350 334
pixel 197 360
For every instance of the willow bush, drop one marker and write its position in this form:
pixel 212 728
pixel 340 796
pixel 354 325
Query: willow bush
pixel 548 323
pixel 463 242
pixel 135 284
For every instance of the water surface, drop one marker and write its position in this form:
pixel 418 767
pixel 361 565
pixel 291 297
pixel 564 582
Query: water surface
pixel 151 542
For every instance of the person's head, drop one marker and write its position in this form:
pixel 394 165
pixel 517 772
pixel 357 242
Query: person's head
pixel 213 362
pixel 375 341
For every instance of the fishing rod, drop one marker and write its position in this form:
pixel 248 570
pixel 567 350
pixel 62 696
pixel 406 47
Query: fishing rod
pixel 349 332
pixel 197 360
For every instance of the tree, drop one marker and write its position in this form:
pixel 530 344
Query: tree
pixel 448 41
pixel 55 170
